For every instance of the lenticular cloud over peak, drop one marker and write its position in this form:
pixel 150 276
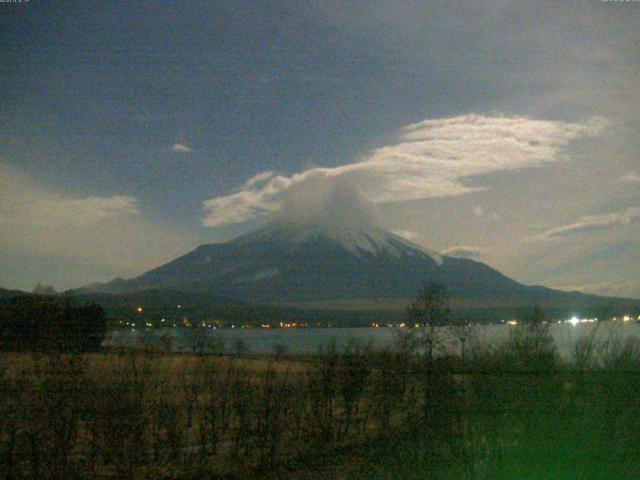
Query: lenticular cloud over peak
pixel 331 204
pixel 432 158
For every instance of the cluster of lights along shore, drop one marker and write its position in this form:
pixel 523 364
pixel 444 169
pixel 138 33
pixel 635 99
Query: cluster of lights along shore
pixel 183 322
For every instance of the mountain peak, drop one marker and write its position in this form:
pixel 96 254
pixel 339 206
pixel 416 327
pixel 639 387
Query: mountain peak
pixel 336 213
pixel 302 259
pixel 357 238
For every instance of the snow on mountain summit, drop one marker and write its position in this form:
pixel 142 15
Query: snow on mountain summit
pixel 326 245
pixel 335 213
pixel 358 239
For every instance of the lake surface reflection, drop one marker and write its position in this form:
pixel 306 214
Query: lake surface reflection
pixel 310 340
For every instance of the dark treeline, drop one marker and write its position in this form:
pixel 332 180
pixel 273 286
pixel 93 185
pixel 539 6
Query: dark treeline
pixel 42 322
pixel 158 304
pixel 257 315
pixel 513 411
pixel 196 308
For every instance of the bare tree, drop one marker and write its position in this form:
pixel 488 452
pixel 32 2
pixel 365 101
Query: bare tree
pixel 429 311
pixel 530 345
pixel 279 349
pixel 216 343
pixel 42 289
pixel 240 348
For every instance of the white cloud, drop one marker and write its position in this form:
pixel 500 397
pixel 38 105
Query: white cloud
pixel 81 211
pixel 463 251
pixel 630 177
pixel 81 239
pixel 410 235
pixel 243 205
pixel 258 179
pixel 22 201
pixel 591 223
pixel 181 148
pixel 479 211
pixel 433 158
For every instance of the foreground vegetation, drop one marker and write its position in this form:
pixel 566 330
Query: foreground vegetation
pixel 46 323
pixel 513 411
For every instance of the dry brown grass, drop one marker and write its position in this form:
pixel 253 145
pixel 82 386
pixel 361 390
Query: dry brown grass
pixel 386 415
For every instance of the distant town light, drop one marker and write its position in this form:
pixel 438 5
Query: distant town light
pixel 139 309
pixel 574 321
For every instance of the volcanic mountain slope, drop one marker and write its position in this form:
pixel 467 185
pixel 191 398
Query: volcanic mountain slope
pixel 297 263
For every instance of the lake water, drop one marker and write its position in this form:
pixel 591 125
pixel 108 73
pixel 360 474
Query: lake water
pixel 309 340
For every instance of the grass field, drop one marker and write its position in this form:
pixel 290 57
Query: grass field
pixel 513 412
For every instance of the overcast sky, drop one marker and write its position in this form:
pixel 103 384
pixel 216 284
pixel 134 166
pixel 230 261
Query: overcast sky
pixel 503 131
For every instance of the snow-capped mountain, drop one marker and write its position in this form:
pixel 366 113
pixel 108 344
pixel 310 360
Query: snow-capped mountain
pixel 297 262
pixel 361 241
